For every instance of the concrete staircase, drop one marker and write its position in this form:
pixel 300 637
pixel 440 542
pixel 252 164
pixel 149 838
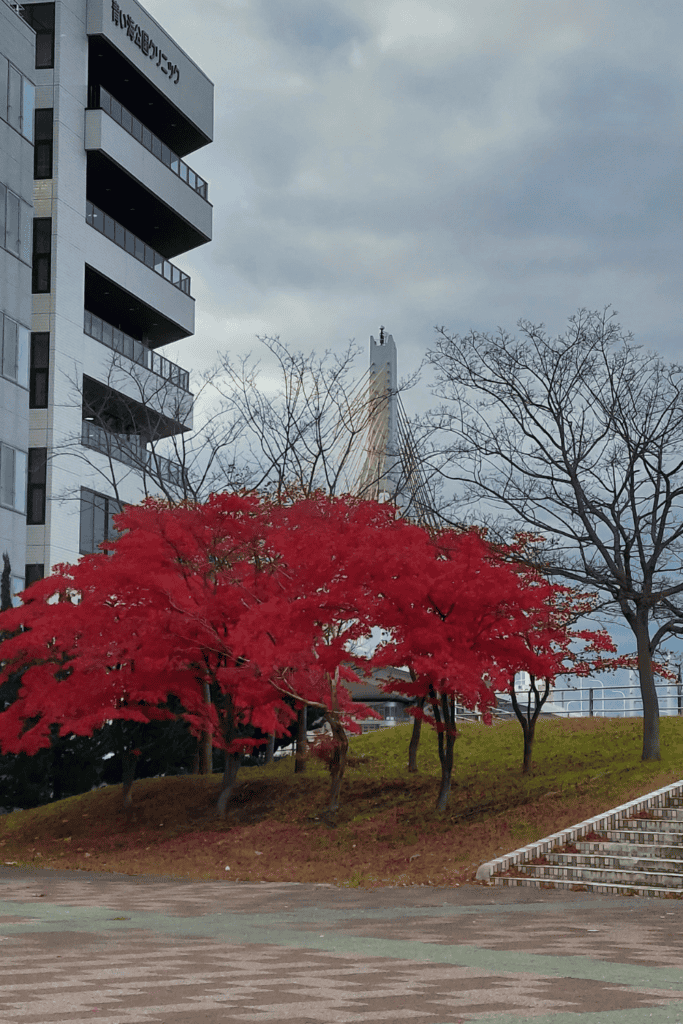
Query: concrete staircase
pixel 635 849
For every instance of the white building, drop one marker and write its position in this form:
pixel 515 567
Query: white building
pixel 17 97
pixel 119 105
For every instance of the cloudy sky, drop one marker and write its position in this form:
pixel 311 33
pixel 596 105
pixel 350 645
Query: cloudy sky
pixel 422 162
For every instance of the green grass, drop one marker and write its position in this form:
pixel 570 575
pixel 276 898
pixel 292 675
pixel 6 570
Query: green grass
pixel 387 830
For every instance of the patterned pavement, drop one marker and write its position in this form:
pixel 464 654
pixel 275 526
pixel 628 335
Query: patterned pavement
pixel 117 949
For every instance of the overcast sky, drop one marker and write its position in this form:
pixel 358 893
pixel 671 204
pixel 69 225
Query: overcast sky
pixel 414 163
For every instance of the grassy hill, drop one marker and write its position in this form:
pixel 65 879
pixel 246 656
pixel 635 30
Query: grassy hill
pixel 387 831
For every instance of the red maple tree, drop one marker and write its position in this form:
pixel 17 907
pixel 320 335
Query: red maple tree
pixel 466 624
pixel 255 600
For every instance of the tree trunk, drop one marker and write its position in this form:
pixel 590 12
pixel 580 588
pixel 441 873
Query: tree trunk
pixel 529 731
pixel 270 748
pixel 130 759
pixel 232 764
pixel 528 720
pixel 338 762
pixel 206 744
pixel 651 751
pixel 415 739
pixel 446 744
pixel 301 741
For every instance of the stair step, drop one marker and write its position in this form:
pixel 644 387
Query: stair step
pixel 622 861
pixel 639 835
pixel 582 873
pixel 595 886
pixel 653 824
pixel 639 850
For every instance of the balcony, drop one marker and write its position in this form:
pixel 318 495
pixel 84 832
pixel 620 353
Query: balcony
pixel 131 452
pixel 133 349
pixel 105 101
pixel 133 245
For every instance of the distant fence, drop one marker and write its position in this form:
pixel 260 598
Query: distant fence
pixel 604 701
pixel 563 702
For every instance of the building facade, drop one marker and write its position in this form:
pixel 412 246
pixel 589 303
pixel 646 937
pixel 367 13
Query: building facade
pixel 17 97
pixel 119 105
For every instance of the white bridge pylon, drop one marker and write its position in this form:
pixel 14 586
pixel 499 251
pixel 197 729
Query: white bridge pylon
pixel 390 467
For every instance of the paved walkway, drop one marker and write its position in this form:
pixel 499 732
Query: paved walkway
pixel 118 949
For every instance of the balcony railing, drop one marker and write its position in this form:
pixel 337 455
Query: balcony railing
pixel 124 238
pixel 131 452
pixel 133 349
pixel 100 98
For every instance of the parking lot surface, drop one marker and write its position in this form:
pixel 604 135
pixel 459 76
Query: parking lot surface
pixel 117 949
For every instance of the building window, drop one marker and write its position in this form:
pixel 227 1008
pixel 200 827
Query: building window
pixel 42 244
pixel 16 218
pixel 17 586
pixel 14 351
pixel 41 17
pixel 34 572
pixel 12 232
pixel 13 478
pixel 37 481
pixel 14 98
pixel 40 365
pixel 42 152
pixel 97 512
pixel 21 101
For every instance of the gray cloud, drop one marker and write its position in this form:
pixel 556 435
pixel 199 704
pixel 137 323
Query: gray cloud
pixel 414 162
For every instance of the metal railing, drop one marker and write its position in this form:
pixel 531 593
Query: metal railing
pixel 125 239
pixel 100 98
pixel 100 330
pixel 131 452
pixel 593 701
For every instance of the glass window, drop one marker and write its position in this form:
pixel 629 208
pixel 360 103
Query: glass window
pixel 97 512
pixel 87 539
pixel 37 478
pixel 40 363
pixel 34 571
pixel 17 587
pixel 42 241
pixel 109 226
pixel 42 153
pixel 25 226
pixel 41 17
pixel 7 475
pixel 14 98
pixel 113 509
pixel 23 337
pixel 28 103
pixel 9 350
pixel 20 467
pixel 12 236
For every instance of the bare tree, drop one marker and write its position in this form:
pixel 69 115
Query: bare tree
pixel 306 419
pixel 298 425
pixel 139 421
pixel 580 439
